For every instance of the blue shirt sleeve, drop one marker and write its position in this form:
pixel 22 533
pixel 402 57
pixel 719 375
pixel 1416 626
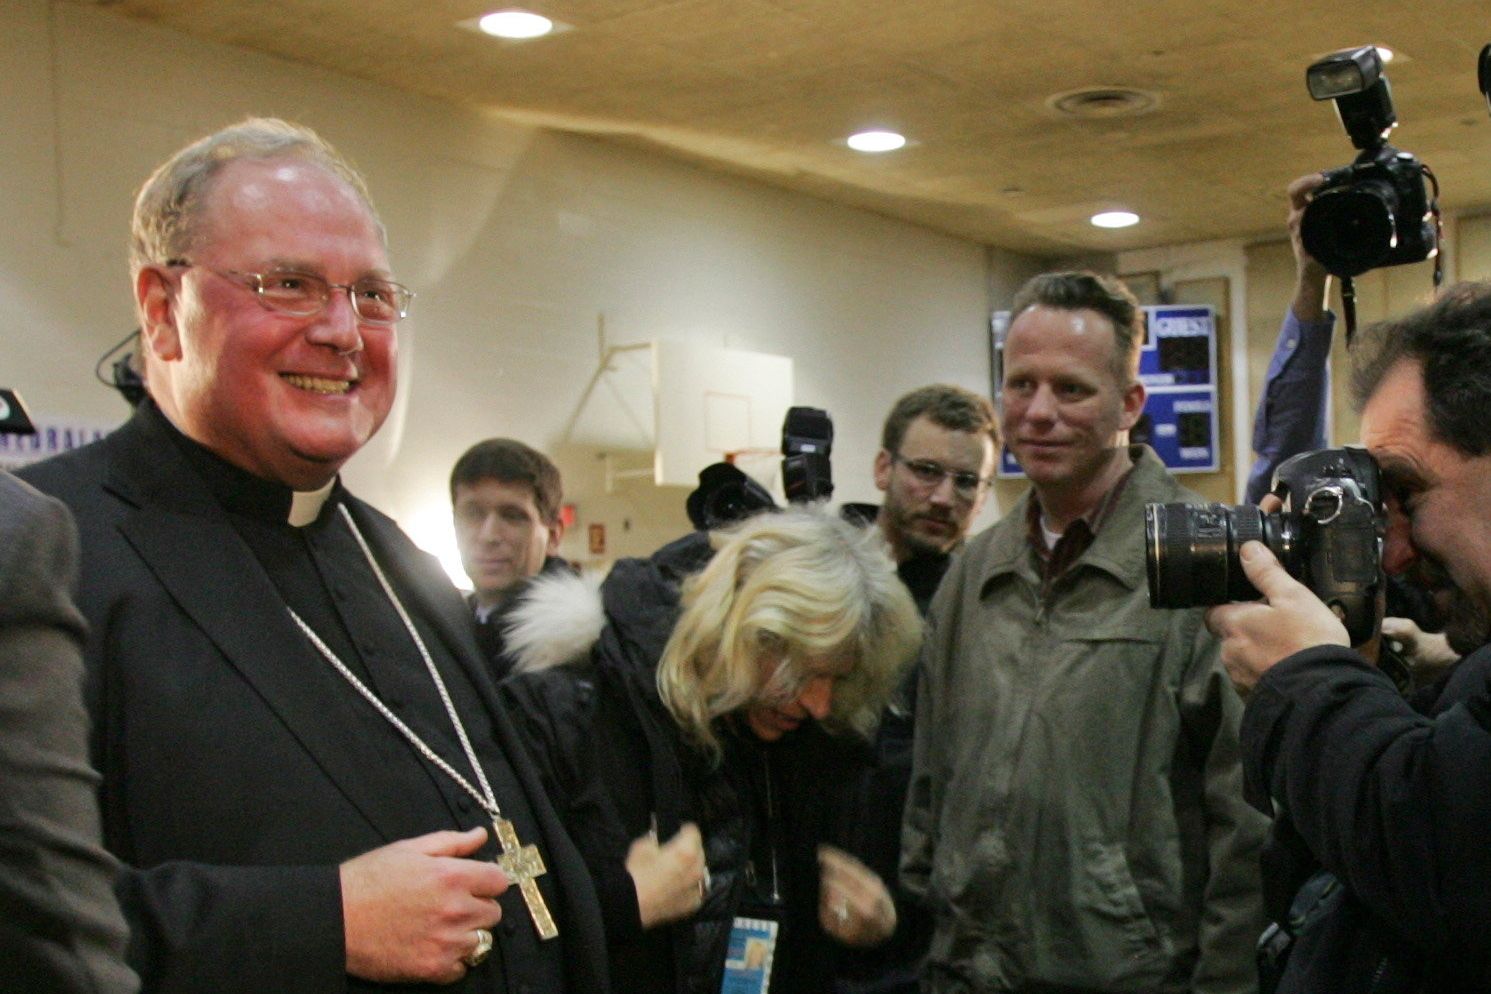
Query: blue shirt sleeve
pixel 1291 412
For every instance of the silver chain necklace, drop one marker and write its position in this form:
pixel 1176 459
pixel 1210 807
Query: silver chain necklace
pixel 521 863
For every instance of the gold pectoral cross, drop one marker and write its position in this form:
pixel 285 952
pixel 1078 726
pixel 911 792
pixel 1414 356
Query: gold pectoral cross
pixel 522 864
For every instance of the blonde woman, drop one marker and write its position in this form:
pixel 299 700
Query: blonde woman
pixel 698 748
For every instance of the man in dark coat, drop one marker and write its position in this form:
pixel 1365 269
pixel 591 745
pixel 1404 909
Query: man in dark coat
pixel 1391 800
pixel 304 762
pixel 505 501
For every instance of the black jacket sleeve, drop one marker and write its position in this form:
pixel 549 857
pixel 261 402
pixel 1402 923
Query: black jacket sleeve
pixel 183 917
pixel 1394 802
pixel 554 714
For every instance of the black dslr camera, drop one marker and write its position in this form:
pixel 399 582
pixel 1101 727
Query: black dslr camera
pixel 726 494
pixel 1328 537
pixel 807 440
pixel 1376 211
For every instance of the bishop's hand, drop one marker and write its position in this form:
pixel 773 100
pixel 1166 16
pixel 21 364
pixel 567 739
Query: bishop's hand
pixel 412 908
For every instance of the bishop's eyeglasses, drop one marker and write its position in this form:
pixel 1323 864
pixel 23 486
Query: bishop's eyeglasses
pixel 301 294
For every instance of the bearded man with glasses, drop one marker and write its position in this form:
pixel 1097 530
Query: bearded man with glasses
pixel 934 466
pixel 305 766
pixel 1075 819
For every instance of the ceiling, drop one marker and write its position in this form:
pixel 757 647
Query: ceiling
pixel 770 88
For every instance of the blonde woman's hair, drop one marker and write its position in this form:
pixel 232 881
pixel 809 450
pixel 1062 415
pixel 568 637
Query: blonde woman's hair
pixel 798 585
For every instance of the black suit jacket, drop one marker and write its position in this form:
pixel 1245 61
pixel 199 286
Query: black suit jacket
pixel 235 781
pixel 60 928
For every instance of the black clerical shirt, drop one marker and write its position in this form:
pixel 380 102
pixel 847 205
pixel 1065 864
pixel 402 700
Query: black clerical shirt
pixel 322 574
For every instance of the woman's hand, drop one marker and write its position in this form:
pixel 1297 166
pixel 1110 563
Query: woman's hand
pixel 853 905
pixel 671 878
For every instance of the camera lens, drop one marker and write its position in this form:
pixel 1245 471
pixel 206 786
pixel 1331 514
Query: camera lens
pixel 1351 229
pixel 1191 551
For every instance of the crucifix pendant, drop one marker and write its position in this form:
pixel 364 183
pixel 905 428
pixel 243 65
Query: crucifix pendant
pixel 522 864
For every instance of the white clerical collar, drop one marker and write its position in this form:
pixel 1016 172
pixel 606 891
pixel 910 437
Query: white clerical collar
pixel 305 505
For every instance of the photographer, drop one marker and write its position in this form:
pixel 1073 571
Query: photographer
pixel 1390 800
pixel 1292 415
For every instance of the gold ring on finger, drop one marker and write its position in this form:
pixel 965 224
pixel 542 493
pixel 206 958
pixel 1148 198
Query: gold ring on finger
pixel 483 947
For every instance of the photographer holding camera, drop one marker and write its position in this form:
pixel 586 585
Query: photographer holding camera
pixel 1291 419
pixel 1391 800
pixel 1344 222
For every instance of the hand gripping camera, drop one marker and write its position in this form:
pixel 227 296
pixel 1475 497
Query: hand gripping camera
pixel 1328 537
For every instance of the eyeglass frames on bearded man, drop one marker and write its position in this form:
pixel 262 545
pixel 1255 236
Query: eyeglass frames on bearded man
pixel 930 474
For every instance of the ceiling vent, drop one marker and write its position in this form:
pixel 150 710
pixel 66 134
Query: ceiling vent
pixel 1101 102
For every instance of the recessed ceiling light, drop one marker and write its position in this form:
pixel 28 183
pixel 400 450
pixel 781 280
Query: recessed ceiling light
pixel 1115 219
pixel 875 141
pixel 515 24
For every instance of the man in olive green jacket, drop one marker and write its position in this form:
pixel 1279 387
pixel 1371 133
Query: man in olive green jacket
pixel 1076 820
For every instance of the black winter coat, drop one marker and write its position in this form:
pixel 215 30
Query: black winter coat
pixel 491 635
pixel 615 763
pixel 1393 802
pixel 893 967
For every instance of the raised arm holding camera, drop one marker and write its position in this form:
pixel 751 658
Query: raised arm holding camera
pixel 1291 412
pixel 1375 212
pixel 1392 801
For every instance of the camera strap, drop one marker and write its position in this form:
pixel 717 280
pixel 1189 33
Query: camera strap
pixel 1348 285
pixel 1438 225
pixel 1348 304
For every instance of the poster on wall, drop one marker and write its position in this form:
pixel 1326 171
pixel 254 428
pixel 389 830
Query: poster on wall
pixel 1178 367
pixel 53 436
pixel 48 437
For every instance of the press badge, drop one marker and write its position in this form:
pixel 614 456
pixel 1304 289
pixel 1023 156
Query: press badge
pixel 753 941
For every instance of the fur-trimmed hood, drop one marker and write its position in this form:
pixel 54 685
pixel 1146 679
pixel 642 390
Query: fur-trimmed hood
pixel 559 619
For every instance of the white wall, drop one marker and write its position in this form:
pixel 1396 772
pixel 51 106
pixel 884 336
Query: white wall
pixel 519 243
